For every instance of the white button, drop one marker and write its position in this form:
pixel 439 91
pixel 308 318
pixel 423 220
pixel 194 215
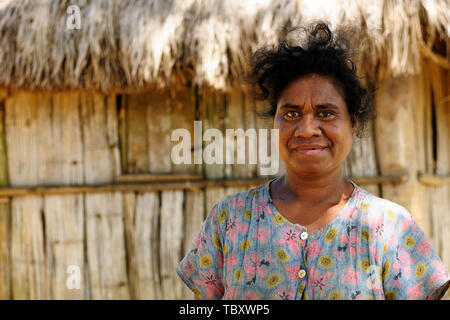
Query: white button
pixel 304 235
pixel 301 274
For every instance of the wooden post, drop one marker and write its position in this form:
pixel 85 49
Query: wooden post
pixel 106 256
pixel 171 235
pixel 396 143
pixel 5 218
pixel 141 231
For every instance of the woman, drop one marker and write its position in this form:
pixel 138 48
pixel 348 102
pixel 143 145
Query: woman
pixel 311 234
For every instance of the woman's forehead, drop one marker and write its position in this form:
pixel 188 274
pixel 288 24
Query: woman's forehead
pixel 312 89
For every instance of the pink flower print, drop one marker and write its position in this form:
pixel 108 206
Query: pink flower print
pixel 415 292
pixel 350 213
pixel 219 260
pixel 201 242
pixel 397 278
pixel 212 284
pixel 317 281
pixel 373 285
pixel 374 254
pixel 291 238
pixel 403 261
pixel 237 202
pixel 352 241
pixel 285 295
pixel 313 249
pixel 261 235
pixel 340 250
pixel 357 194
pixel 254 268
pixel 351 275
pixel 213 213
pixel 188 267
pixel 440 273
pixel 250 295
pixel 424 247
pixel 376 226
pixel 231 261
pixel 260 204
pixel 293 271
pixel 232 227
pixel 405 224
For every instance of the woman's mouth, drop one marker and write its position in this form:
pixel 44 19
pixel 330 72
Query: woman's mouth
pixel 309 150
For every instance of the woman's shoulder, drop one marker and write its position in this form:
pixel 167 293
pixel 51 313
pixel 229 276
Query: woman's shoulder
pixel 240 204
pixel 373 207
pixel 243 198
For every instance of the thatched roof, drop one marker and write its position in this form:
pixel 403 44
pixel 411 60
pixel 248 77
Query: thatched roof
pixel 136 44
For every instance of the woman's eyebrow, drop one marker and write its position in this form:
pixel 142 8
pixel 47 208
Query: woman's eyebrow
pixel 319 106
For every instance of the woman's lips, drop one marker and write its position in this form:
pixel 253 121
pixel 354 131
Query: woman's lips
pixel 310 150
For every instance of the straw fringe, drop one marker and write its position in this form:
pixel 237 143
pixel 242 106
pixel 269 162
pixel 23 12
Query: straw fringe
pixel 136 44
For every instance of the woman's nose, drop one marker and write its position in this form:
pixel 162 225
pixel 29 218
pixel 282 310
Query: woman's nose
pixel 307 127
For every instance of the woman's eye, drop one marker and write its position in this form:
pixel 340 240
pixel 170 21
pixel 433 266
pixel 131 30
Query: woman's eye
pixel 291 114
pixel 326 114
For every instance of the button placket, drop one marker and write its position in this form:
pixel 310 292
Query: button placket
pixel 301 273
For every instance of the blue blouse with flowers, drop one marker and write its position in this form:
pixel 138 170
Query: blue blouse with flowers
pixel 373 249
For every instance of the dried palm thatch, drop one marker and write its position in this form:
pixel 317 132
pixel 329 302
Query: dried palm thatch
pixel 137 44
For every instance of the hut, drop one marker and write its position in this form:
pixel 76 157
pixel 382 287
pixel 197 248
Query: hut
pixel 92 205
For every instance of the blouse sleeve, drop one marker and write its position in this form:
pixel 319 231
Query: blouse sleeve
pixel 202 267
pixel 411 268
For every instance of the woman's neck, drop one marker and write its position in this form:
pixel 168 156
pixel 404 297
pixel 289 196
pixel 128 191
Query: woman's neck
pixel 319 190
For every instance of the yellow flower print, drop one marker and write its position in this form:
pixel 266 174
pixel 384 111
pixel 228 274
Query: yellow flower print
pixel 237 275
pixel 391 214
pixel 368 298
pixel 253 193
pixel 222 216
pixel 386 270
pixel 273 280
pixel 331 235
pixel 365 264
pixel 364 206
pixel 217 242
pixel 247 214
pixel 325 261
pixel 282 255
pixel 205 260
pixel 421 269
pixel 365 234
pixel 225 250
pixel 390 295
pixel 335 295
pixel 245 244
pixel 380 273
pixel 410 242
pixel 278 218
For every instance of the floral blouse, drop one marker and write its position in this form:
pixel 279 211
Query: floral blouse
pixel 373 249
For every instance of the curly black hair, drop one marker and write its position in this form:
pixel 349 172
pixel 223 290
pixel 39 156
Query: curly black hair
pixel 323 53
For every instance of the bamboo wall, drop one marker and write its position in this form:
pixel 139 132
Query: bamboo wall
pixel 65 159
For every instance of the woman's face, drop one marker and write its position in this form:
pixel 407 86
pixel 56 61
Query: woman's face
pixel 315 127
